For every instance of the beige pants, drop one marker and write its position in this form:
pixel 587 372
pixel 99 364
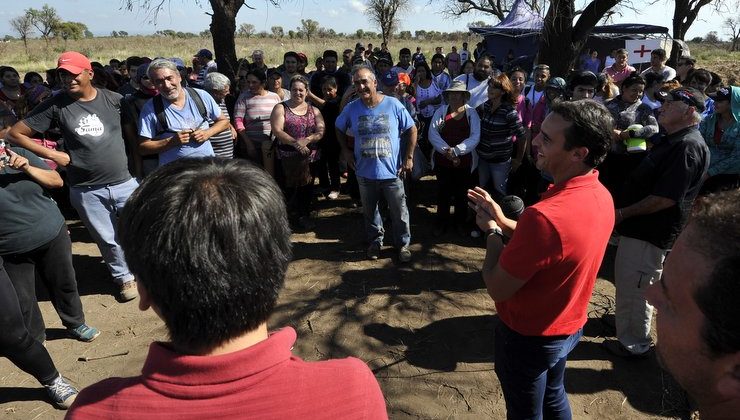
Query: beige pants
pixel 638 264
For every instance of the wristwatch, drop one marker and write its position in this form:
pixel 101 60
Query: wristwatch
pixel 495 231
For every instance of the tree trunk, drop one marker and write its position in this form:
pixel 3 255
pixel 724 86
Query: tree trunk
pixel 561 41
pixel 556 45
pixel 223 28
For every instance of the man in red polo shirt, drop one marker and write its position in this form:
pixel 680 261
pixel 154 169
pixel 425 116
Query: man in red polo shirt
pixel 209 242
pixel 542 281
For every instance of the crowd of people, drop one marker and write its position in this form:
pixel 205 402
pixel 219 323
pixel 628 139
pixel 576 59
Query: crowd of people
pixel 189 181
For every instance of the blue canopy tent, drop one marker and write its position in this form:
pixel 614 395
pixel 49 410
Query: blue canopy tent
pixel 520 32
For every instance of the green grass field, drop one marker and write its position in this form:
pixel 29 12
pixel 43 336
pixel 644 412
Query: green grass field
pixel 40 57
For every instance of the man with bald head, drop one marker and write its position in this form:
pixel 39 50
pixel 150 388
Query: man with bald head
pixel 380 158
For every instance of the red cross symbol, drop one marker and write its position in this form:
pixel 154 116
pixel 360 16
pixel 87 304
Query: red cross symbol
pixel 642 51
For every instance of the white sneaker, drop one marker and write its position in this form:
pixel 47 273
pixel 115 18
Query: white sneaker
pixel 61 392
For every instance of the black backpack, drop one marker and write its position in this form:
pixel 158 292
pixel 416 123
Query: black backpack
pixel 163 127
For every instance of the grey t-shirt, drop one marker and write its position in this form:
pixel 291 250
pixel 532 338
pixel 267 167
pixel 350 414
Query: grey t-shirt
pixel 28 217
pixel 92 136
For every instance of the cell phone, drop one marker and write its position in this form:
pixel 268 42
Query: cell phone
pixel 4 156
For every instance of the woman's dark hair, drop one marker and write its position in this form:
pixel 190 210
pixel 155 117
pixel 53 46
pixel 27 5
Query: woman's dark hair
pixel 30 75
pixel 209 241
pixel 517 69
pixel 633 79
pixel 592 127
pixel 5 69
pixel 259 74
pixel 426 67
pixel 503 82
pixel 466 62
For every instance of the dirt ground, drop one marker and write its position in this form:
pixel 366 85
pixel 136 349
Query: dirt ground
pixel 425 328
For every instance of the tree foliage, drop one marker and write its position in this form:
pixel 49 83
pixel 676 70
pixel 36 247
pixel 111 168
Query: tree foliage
pixel 44 20
pixel 23 25
pixel 386 15
pixel 246 30
pixel 69 30
pixel 309 28
pixel 277 31
pixel 223 27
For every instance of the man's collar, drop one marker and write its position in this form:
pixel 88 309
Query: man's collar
pixel 678 134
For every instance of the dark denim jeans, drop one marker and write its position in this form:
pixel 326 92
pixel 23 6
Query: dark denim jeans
pixel 531 371
pixel 392 189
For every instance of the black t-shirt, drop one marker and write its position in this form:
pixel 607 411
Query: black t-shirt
pixel 29 218
pixel 92 136
pixel 343 82
pixel 673 169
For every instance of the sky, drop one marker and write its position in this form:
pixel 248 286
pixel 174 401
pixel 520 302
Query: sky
pixel 104 16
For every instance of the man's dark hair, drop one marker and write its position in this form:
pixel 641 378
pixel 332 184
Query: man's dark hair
pixel 592 127
pixel 134 61
pixel 291 54
pixel 330 53
pixel 653 79
pixel 700 75
pixel 578 78
pixel 660 53
pixel 716 79
pixel 715 227
pixel 687 60
pixel 404 51
pixel 330 81
pixel 440 56
pixel 209 240
pixel 633 79
pixel 486 57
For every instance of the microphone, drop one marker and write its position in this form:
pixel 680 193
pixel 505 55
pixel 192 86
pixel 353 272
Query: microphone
pixel 512 206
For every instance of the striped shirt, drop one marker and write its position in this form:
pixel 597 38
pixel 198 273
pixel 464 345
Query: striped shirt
pixel 252 114
pixel 223 143
pixel 497 132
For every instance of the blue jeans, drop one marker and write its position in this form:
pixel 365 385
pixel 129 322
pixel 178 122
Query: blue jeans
pixel 496 173
pixel 531 371
pixel 98 207
pixel 395 195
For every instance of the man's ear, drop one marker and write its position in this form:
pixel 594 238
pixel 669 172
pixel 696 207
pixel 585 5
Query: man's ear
pixel 145 301
pixel 728 384
pixel 580 153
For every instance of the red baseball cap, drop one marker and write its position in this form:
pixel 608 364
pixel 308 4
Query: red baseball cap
pixel 73 62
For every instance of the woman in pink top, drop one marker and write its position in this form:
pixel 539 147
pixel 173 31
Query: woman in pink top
pixel 518 78
pixel 252 118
